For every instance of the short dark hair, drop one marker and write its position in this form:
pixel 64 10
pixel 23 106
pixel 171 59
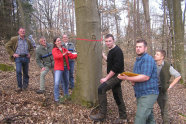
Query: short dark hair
pixel 109 35
pixel 163 52
pixel 142 41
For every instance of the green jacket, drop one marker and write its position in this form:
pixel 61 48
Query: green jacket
pixel 11 46
pixel 44 56
pixel 165 77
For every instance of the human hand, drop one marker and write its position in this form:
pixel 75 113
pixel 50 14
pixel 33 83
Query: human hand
pixel 43 69
pixel 169 88
pixel 66 53
pixel 103 54
pixel 103 80
pixel 122 77
pixel 28 55
pixel 15 55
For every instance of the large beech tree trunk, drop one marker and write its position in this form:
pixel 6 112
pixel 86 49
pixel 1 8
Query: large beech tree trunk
pixel 89 61
pixel 179 38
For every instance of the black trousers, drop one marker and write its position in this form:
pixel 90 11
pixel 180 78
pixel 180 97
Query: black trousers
pixel 115 84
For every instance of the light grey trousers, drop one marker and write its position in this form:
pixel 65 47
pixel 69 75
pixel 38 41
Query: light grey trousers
pixel 42 77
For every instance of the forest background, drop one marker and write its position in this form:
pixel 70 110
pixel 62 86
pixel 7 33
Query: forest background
pixel 160 22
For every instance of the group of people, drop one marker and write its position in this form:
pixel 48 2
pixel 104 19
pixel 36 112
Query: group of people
pixel 150 85
pixel 57 57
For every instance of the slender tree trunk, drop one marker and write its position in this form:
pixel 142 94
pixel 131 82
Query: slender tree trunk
pixel 116 20
pixel 134 24
pixel 73 23
pixel 89 61
pixel 138 21
pixel 164 23
pixel 58 13
pixel 170 8
pixel 147 19
pixel 22 13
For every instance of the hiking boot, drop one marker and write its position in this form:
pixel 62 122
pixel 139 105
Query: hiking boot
pixel 19 90
pixel 40 91
pixel 120 121
pixel 97 117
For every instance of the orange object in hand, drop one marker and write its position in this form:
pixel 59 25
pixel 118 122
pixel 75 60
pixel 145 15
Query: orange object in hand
pixel 130 74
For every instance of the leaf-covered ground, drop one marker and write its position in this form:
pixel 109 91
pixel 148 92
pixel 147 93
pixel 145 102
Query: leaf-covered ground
pixel 29 107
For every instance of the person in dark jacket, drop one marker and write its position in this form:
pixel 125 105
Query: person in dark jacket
pixel 45 61
pixel 20 50
pixel 115 65
pixel 165 71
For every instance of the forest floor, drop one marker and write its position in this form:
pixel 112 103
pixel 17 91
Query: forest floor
pixel 29 107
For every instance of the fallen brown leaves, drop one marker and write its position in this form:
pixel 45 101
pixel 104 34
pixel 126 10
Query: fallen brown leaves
pixel 29 107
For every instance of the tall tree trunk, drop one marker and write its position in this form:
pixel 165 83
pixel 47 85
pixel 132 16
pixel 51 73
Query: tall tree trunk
pixel 58 13
pixel 73 23
pixel 89 61
pixel 147 19
pixel 179 38
pixel 184 14
pixel 163 29
pixel 134 25
pixel 138 21
pixel 116 17
pixel 170 9
pixel 22 13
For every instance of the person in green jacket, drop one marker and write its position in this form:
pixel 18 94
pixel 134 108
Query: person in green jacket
pixel 165 71
pixel 20 49
pixel 45 61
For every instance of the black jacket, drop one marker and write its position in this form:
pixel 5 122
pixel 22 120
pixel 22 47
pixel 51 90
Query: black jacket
pixel 115 60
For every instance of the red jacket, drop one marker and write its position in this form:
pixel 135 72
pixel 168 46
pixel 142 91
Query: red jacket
pixel 58 58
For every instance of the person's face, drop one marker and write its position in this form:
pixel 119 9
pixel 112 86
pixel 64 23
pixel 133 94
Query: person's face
pixel 58 42
pixel 65 38
pixel 43 42
pixel 21 32
pixel 158 56
pixel 140 49
pixel 109 42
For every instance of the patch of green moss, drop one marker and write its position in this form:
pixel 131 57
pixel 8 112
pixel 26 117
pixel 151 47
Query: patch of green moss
pixel 5 67
pixel 87 103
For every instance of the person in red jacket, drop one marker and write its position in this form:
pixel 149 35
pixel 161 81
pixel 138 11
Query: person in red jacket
pixel 61 69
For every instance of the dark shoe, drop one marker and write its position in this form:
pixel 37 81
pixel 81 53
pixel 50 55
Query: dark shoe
pixel 64 99
pixel 97 117
pixel 18 90
pixel 40 91
pixel 120 121
pixel 57 103
pixel 71 88
pixel 25 87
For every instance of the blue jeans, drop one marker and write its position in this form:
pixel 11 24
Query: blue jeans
pixel 144 114
pixel 61 76
pixel 65 81
pixel 22 63
pixel 71 73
